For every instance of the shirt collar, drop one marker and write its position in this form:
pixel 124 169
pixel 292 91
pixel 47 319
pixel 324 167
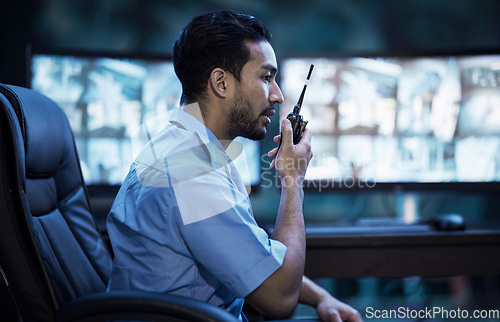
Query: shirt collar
pixel 192 124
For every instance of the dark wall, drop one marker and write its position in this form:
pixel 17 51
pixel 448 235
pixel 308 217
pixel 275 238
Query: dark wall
pixel 305 27
pixel 299 27
pixel 315 26
pixel 15 25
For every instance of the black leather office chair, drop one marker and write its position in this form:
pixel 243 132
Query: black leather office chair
pixel 52 256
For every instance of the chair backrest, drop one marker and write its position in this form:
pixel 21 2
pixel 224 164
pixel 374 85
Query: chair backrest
pixel 50 248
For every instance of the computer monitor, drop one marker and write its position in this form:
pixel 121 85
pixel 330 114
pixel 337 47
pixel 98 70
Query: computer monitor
pixel 410 121
pixel 107 98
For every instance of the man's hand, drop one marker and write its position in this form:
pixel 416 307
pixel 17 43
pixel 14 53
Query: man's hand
pixel 327 307
pixel 331 309
pixel 291 160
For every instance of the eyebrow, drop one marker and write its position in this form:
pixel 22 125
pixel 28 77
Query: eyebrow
pixel 271 68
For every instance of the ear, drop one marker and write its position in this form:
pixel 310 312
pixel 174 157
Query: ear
pixel 218 82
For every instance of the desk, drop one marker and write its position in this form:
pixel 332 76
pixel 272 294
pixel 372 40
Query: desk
pixel 394 255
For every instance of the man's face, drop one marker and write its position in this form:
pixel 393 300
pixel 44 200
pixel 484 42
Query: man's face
pixel 256 93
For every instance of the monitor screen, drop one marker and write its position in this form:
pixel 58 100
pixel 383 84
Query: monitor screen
pixel 400 119
pixel 107 99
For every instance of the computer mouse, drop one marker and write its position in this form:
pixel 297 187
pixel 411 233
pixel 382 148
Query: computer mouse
pixel 449 222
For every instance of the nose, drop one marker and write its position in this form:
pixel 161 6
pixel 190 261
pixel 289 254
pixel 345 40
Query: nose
pixel 275 96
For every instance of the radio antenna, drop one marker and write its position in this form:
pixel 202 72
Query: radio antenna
pixel 297 107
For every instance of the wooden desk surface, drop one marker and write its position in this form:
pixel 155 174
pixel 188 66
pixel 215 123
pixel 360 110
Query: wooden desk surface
pixel 400 254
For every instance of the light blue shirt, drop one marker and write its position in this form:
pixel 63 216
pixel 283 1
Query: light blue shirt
pixel 182 222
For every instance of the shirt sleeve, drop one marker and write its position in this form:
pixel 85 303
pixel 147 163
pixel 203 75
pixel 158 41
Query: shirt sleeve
pixel 222 234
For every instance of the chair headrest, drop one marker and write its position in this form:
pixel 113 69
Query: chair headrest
pixel 50 152
pixel 45 142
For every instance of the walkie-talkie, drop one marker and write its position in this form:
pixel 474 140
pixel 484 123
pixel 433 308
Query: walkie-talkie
pixel 298 122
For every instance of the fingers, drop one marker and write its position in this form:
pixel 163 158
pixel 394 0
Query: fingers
pixel 287 126
pixel 331 315
pixel 344 316
pixel 272 153
pixel 355 316
pixel 286 132
pixel 286 138
pixel 335 317
pixel 334 310
pixel 352 315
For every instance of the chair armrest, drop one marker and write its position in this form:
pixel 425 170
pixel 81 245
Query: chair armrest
pixel 138 305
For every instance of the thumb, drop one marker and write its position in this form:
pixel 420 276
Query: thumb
pixel 286 132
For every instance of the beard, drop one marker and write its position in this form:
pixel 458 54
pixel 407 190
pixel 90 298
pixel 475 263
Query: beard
pixel 243 123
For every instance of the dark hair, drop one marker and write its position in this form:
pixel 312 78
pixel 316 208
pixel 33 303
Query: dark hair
pixel 212 40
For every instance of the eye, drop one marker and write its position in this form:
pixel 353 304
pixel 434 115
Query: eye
pixel 268 77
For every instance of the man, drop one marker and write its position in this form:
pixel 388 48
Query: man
pixel 182 222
